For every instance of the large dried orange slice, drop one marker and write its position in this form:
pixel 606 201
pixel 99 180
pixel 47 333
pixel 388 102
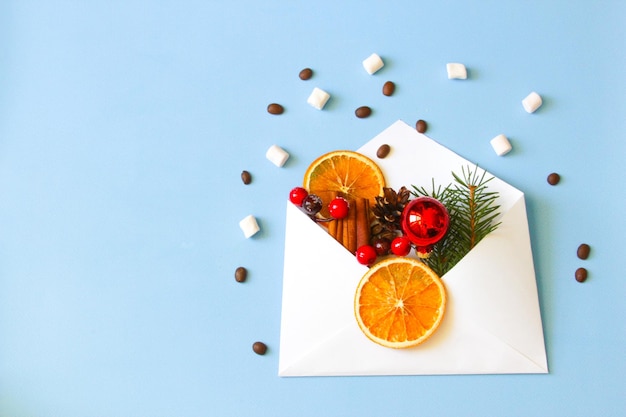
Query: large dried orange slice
pixel 399 302
pixel 346 173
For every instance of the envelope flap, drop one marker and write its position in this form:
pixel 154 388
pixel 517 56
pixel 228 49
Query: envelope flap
pixel 318 289
pixel 502 285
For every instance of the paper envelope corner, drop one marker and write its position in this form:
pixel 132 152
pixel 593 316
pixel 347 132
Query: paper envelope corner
pixel 492 323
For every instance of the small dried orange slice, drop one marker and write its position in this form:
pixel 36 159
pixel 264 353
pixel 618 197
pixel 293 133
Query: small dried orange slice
pixel 346 173
pixel 399 302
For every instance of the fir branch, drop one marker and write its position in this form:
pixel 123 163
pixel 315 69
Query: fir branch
pixel 472 212
pixel 475 205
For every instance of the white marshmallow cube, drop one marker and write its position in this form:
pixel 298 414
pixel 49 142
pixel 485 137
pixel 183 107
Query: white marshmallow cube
pixel 277 155
pixel 318 98
pixel 532 102
pixel 249 226
pixel 456 71
pixel 501 145
pixel 373 63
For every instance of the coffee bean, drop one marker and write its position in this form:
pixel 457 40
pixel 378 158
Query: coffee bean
pixel 581 275
pixel 306 74
pixel 363 112
pixel 583 251
pixel 275 108
pixel 388 88
pixel 383 151
pixel 259 348
pixel 421 126
pixel 241 274
pixel 246 177
pixel 554 178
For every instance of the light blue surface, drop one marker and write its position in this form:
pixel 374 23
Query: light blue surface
pixel 124 127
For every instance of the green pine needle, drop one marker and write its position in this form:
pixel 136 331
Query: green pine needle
pixel 472 209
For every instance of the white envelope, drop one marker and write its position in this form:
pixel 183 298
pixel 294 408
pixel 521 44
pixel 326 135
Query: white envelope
pixel 492 323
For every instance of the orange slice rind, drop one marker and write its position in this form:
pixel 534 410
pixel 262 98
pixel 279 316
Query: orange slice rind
pixel 399 303
pixel 346 173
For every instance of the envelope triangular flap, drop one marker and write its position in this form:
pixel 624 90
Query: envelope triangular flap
pixel 503 288
pixel 492 322
pixel 320 277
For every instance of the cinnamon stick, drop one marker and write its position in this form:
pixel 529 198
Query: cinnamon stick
pixel 339 232
pixel 362 222
pixel 351 226
pixel 345 238
pixel 332 228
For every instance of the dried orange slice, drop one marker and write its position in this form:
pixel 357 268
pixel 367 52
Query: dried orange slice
pixel 346 173
pixel 399 302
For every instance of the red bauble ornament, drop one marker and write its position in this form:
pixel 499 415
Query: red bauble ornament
pixel 425 221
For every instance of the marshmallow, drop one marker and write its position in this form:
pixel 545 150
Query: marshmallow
pixel 249 226
pixel 457 71
pixel 318 98
pixel 277 155
pixel 501 145
pixel 532 102
pixel 372 64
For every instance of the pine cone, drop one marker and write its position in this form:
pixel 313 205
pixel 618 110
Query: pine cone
pixel 388 211
pixel 378 231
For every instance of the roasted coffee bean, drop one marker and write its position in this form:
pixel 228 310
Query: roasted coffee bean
pixel 421 126
pixel 241 274
pixel 363 112
pixel 246 177
pixel 306 74
pixel 383 151
pixel 581 275
pixel 259 348
pixel 583 251
pixel 554 178
pixel 388 88
pixel 275 108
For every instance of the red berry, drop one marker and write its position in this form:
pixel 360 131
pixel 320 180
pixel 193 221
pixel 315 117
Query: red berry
pixel 401 246
pixel 297 195
pixel 312 204
pixel 338 208
pixel 366 255
pixel 382 246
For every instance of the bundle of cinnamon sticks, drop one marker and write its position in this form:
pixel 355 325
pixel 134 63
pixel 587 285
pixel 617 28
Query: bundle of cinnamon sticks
pixel 353 231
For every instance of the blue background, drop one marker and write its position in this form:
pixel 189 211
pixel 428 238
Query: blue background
pixel 125 125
